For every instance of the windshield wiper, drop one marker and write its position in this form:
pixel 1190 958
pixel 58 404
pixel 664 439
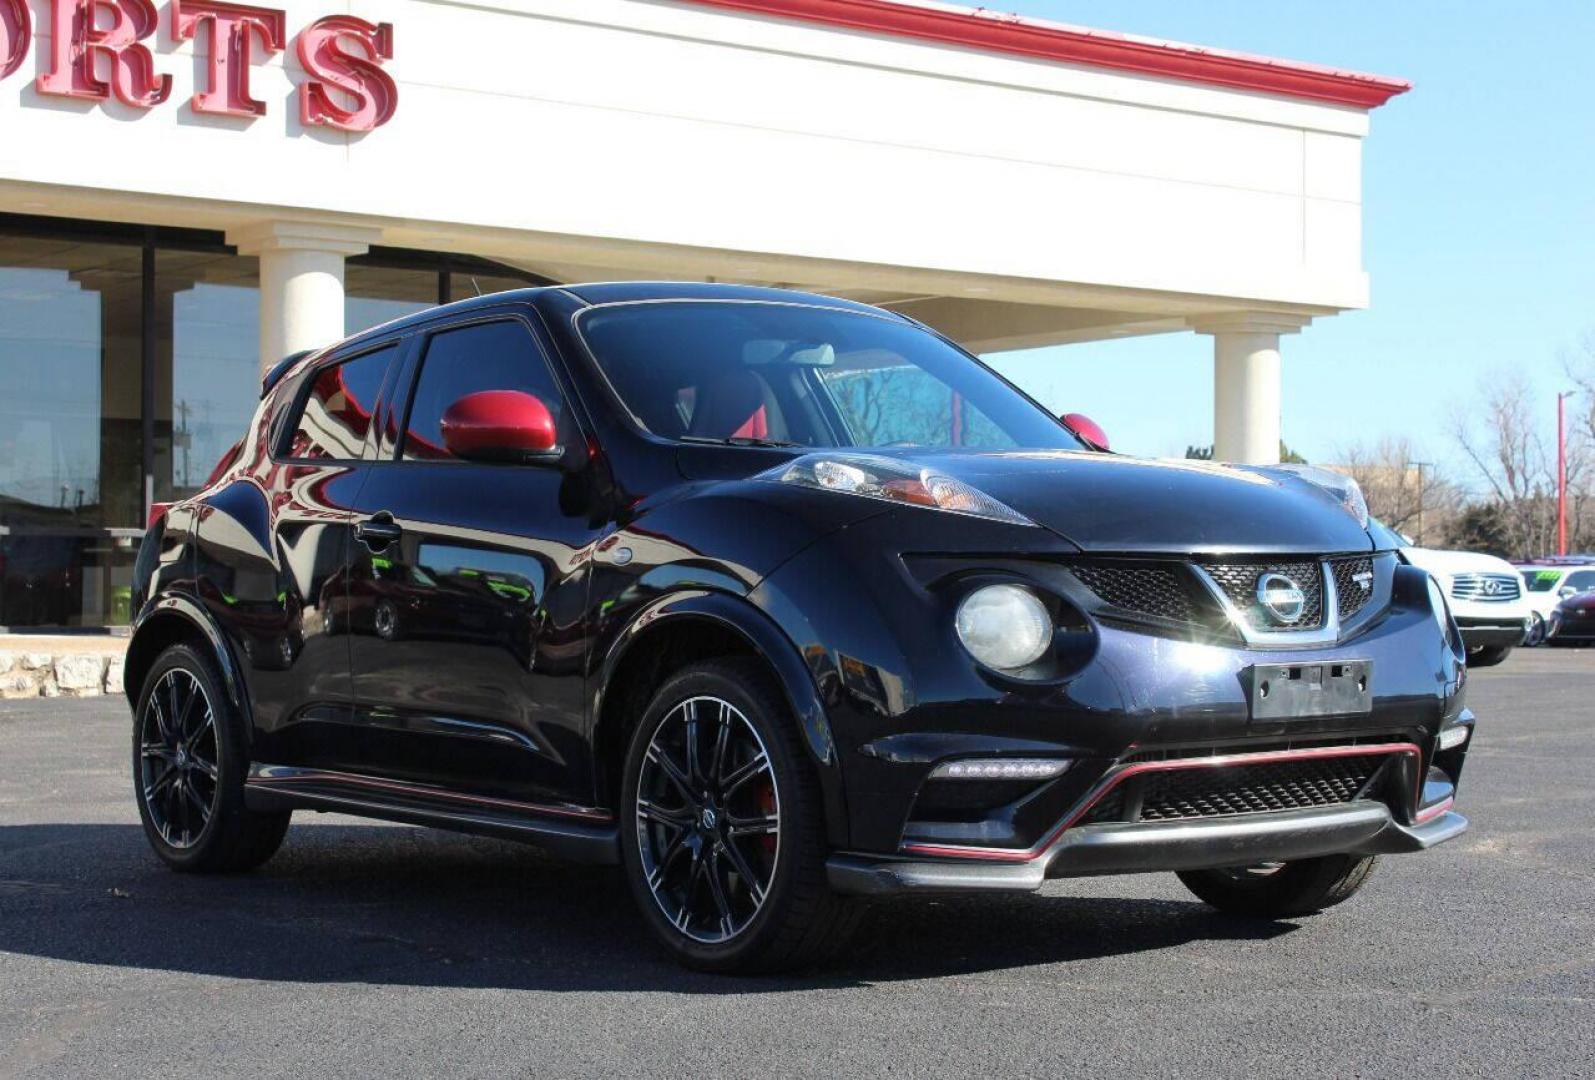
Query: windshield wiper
pixel 741 440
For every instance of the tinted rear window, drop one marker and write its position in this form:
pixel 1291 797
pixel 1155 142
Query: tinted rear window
pixel 336 413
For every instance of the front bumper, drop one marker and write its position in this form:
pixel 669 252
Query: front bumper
pixel 1579 626
pixel 1363 828
pixel 1480 633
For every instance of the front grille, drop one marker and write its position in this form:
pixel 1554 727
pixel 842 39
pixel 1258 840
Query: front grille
pixel 1353 584
pixel 1195 594
pixel 1146 590
pixel 1230 790
pixel 1488 588
pixel 1240 580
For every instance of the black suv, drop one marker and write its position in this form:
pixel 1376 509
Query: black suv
pixel 778 601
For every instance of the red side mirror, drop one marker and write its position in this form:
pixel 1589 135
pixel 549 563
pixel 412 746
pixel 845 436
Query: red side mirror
pixel 500 425
pixel 1087 428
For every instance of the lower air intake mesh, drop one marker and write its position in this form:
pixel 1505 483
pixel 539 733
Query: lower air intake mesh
pixel 1226 791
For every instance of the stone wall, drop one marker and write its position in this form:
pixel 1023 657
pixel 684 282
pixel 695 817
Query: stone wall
pixel 66 674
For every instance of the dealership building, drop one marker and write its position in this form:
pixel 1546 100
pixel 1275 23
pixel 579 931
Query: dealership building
pixel 191 189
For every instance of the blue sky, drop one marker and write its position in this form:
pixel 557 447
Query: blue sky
pixel 1479 224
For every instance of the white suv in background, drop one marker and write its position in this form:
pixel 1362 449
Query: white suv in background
pixel 1486 595
pixel 1548 584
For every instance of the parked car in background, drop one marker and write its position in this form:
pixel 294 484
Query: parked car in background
pixel 1547 583
pixel 1486 595
pixel 1574 620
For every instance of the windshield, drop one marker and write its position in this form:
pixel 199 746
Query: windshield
pixel 1542 580
pixel 804 376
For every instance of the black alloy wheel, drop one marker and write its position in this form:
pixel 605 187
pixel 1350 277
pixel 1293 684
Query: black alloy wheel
pixel 708 819
pixel 189 762
pixel 722 834
pixel 178 755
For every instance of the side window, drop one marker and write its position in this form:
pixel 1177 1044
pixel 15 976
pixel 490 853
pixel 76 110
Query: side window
pixel 486 356
pixel 1582 580
pixel 336 414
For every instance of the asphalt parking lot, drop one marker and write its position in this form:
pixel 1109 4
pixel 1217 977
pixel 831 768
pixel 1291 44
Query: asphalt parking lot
pixel 367 949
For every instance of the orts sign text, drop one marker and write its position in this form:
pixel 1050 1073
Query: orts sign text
pixel 97 49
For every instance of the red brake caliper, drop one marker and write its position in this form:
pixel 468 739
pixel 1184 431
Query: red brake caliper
pixel 767 807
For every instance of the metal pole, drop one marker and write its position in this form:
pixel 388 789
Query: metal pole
pixel 147 347
pixel 1422 539
pixel 1561 474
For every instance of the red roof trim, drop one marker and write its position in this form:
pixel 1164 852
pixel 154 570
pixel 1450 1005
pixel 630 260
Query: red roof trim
pixel 997 32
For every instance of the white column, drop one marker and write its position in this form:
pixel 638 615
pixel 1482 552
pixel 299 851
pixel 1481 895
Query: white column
pixel 301 281
pixel 1246 383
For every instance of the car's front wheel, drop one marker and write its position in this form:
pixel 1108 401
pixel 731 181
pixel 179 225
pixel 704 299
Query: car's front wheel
pixel 1536 635
pixel 1281 890
pixel 722 835
pixel 188 770
pixel 1489 655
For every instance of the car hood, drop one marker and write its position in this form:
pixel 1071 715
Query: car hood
pixel 1109 503
pixel 1451 563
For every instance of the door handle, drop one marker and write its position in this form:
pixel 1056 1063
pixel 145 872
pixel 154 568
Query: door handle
pixel 378 531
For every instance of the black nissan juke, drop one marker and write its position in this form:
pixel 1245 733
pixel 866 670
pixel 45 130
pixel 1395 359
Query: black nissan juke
pixel 779 602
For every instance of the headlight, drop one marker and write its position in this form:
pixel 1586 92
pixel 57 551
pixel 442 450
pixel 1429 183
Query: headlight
pixel 892 481
pixel 1341 486
pixel 1004 626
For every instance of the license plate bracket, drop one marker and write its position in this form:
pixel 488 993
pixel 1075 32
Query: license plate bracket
pixel 1299 691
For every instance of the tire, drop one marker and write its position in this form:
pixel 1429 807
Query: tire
pixel 188 776
pixel 765 819
pixel 1489 655
pixel 1536 635
pixel 1294 888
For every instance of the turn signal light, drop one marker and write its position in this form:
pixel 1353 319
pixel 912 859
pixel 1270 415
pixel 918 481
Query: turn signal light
pixel 1001 769
pixel 1453 737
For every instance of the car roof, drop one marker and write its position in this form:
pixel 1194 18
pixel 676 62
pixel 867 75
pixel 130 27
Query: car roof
pixel 606 292
pixel 620 292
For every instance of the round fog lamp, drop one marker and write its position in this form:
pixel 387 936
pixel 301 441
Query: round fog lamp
pixel 1004 626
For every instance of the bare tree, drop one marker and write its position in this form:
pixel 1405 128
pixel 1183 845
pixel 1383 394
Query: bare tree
pixel 1406 493
pixel 1500 435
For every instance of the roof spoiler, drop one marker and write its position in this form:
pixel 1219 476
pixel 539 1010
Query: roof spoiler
pixel 280 368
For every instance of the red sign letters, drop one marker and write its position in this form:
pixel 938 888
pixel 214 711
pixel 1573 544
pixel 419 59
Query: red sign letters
pixel 16 30
pixel 324 52
pixel 98 49
pixel 232 30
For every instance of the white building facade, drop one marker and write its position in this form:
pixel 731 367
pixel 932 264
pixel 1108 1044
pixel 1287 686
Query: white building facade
pixel 190 191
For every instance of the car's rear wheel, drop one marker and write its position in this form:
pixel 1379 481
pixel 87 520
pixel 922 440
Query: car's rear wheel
pixel 722 835
pixel 188 770
pixel 1281 890
pixel 1489 655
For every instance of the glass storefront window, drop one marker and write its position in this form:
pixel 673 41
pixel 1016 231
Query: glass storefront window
pixel 373 295
pixel 70 428
pixel 464 284
pixel 207 366
pixel 75 473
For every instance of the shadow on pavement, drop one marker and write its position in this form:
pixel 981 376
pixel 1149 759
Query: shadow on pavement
pixel 396 906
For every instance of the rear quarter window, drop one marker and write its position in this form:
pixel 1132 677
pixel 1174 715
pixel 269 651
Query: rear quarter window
pixel 335 412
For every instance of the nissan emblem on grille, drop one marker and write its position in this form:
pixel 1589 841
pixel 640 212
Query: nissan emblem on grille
pixel 1281 597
